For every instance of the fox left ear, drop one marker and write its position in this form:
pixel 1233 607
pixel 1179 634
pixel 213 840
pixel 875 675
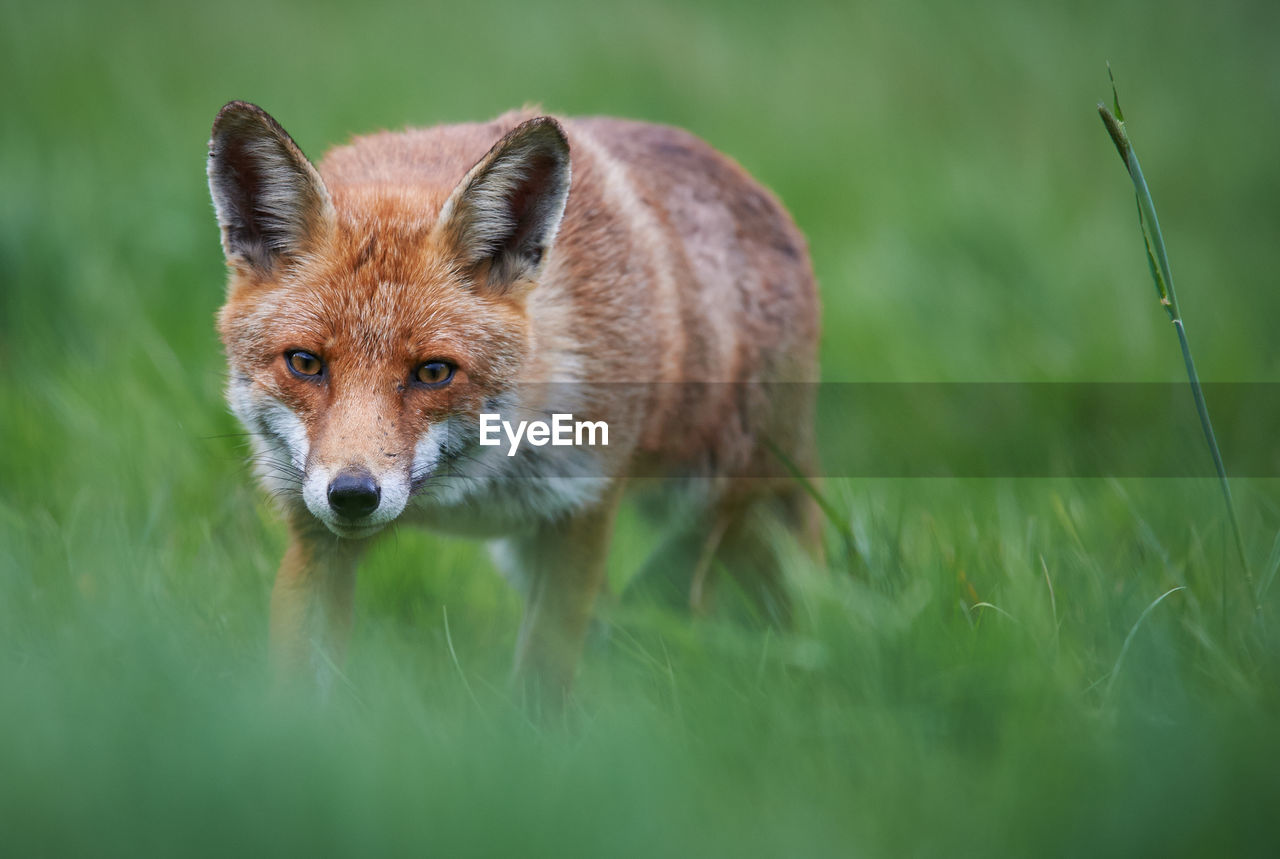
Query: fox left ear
pixel 270 200
pixel 504 214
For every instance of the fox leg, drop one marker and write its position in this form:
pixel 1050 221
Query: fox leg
pixel 678 573
pixel 752 548
pixel 740 535
pixel 311 606
pixel 562 565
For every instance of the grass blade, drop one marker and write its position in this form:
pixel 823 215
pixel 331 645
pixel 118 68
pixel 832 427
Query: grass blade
pixel 1162 275
pixel 1128 639
pixel 827 508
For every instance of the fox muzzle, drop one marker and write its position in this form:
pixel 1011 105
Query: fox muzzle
pixel 354 494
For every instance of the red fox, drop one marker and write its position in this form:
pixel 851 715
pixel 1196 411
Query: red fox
pixel 385 303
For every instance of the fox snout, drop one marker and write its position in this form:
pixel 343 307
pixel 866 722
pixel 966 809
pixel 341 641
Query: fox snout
pixel 348 474
pixel 354 494
pixel 350 499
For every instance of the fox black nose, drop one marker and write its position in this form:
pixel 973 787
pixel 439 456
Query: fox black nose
pixel 353 494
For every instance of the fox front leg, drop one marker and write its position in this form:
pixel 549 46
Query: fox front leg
pixel 562 565
pixel 311 607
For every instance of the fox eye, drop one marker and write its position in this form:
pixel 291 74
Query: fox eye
pixel 304 363
pixel 434 374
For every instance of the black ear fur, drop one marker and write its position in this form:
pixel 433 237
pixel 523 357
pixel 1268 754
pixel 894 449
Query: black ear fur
pixel 504 214
pixel 268 197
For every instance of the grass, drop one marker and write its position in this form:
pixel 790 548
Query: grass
pixel 1158 262
pixel 1031 666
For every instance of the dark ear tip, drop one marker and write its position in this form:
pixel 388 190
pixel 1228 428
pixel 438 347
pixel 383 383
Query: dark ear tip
pixel 238 114
pixel 545 129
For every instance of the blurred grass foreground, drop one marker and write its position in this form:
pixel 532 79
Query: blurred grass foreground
pixel 1030 666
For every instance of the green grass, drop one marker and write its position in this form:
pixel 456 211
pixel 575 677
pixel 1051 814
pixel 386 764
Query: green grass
pixel 990 673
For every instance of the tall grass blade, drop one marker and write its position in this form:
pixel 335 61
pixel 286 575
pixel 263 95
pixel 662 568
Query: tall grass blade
pixel 1162 275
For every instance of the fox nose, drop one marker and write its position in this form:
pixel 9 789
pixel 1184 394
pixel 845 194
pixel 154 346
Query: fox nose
pixel 353 494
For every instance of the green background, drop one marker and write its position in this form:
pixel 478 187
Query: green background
pixel 973 678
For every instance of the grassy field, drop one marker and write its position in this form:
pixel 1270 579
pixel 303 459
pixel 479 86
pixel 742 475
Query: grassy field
pixel 988 671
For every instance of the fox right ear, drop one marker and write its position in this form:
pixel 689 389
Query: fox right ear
pixel 269 199
pixel 502 217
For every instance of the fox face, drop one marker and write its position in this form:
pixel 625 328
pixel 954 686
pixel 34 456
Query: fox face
pixel 368 326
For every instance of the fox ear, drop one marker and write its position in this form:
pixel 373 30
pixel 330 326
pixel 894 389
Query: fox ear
pixel 270 201
pixel 504 214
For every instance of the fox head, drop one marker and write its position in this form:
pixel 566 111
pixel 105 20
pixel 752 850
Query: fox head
pixel 367 323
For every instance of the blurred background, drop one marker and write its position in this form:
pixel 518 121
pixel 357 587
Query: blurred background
pixel 985 667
